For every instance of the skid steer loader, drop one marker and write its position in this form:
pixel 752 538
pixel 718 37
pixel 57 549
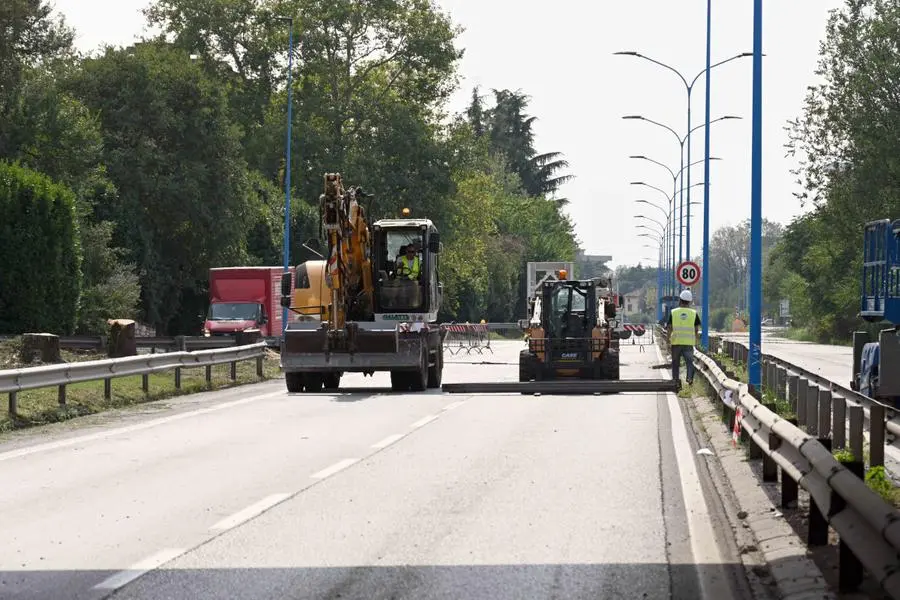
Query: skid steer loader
pixel 573 345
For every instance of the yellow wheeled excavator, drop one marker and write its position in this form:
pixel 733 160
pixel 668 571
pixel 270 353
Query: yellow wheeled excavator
pixel 377 310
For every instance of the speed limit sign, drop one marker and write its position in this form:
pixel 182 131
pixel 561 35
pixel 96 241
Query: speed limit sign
pixel 688 273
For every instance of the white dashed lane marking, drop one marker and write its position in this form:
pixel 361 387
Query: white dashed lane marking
pixel 335 468
pixel 248 513
pixel 140 568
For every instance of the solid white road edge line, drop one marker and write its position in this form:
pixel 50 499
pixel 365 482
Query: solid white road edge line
pixel 424 421
pixel 388 441
pixel 704 546
pixel 131 428
pixel 140 568
pixel 453 405
pixel 248 513
pixel 335 468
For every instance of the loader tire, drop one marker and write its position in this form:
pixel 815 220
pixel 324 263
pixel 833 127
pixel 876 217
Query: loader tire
pixel 610 365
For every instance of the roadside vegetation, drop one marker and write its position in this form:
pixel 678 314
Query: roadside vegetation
pixel 131 165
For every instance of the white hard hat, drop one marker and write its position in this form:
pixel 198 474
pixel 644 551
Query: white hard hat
pixel 686 296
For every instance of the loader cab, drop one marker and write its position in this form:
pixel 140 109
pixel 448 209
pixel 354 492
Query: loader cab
pixel 398 292
pixel 570 309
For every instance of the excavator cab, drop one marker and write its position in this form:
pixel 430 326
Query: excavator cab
pixel 406 256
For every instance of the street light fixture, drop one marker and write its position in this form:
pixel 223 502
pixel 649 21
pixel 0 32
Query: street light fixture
pixel 689 87
pixel 683 248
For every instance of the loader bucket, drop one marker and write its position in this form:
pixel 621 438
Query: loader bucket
pixel 563 387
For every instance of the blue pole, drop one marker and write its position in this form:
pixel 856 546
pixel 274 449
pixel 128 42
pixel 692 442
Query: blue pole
pixel 756 205
pixel 704 340
pixel 287 172
pixel 659 284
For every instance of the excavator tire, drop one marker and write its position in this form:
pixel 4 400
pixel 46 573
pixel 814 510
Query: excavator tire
pixel 294 382
pixel 418 379
pixel 331 381
pixel 435 373
pixel 314 383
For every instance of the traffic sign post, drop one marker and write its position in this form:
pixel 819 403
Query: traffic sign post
pixel 688 273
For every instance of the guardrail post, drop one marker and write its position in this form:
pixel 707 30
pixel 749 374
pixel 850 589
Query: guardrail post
pixel 233 370
pixel 177 378
pixel 856 430
pixel 791 391
pixel 780 381
pixel 850 569
pixel 812 410
pixel 107 388
pixel 825 413
pixel 817 533
pixel 259 366
pixel 876 435
pixel 61 395
pixel 13 404
pixel 769 466
pixel 839 422
pixel 802 392
pixel 145 383
pixel 789 487
pixel 208 370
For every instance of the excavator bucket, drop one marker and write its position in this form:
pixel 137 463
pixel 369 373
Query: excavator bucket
pixel 564 387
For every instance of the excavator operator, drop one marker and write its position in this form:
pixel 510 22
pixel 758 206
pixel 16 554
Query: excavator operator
pixel 408 266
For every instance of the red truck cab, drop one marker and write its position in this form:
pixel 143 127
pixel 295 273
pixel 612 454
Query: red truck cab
pixel 244 298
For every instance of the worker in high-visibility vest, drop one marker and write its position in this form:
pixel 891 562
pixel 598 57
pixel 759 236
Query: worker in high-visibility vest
pixel 683 328
pixel 408 266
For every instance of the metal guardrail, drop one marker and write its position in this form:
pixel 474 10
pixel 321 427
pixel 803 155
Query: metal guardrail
pixel 824 407
pixel 13 381
pixel 868 527
pixel 168 344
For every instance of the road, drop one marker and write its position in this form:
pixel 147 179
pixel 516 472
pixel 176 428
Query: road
pixel 254 493
pixel 831 362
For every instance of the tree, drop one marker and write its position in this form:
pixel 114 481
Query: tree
pixel 176 159
pixel 510 132
pixel 40 282
pixel 848 140
pixel 29 37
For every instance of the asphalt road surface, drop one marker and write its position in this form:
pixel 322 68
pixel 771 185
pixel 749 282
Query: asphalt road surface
pixel 253 493
pixel 831 362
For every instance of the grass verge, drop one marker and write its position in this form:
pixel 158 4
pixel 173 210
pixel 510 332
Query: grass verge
pixel 41 406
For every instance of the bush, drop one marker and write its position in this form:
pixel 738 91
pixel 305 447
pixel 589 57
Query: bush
pixel 40 253
pixel 719 319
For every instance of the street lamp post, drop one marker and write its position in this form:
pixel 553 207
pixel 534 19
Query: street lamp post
pixel 754 370
pixel 671 200
pixel 683 249
pixel 689 87
pixel 674 175
pixel 287 169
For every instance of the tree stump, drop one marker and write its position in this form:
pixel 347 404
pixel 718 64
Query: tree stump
pixel 122 340
pixel 42 345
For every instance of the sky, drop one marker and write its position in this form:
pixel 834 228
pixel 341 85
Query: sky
pixel 562 58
